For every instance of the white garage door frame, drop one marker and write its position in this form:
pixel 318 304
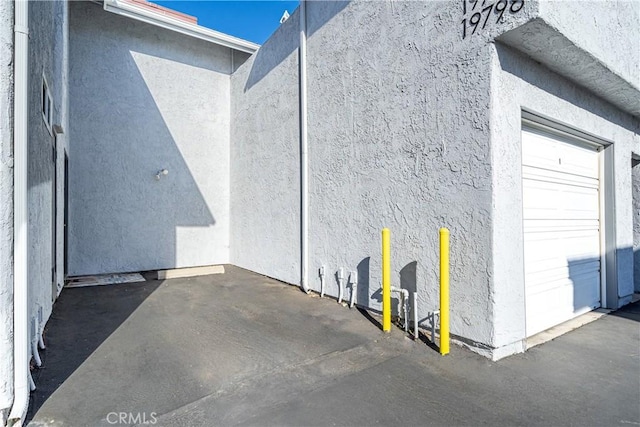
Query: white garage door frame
pixel 540 124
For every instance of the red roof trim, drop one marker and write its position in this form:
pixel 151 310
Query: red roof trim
pixel 164 11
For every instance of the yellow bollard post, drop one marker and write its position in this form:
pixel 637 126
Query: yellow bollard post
pixel 386 280
pixel 444 291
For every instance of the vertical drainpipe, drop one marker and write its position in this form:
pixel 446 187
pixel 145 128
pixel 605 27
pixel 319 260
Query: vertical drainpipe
pixel 304 156
pixel 20 290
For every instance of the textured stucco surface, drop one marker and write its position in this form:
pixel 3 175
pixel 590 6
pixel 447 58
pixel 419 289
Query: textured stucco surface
pixel 62 144
pixel 398 138
pixel 412 128
pixel 636 225
pixel 46 46
pixel 265 182
pixel 557 51
pixel 6 208
pixel 144 99
pixel 608 30
pixel 520 83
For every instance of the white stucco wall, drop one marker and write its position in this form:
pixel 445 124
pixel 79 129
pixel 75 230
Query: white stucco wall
pixel 608 30
pixel 62 143
pixel 46 47
pixel 265 181
pixel 144 99
pixel 520 83
pixel 6 209
pixel 398 138
pixel 413 127
pixel 46 44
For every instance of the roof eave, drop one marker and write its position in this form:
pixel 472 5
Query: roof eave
pixel 150 17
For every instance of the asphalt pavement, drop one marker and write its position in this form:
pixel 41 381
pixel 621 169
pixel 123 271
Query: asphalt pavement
pixel 240 348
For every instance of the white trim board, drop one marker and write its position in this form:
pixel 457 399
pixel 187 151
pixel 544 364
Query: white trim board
pixel 190 272
pixel 132 11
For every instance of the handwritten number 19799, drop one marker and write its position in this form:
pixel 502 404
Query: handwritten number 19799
pixel 498 8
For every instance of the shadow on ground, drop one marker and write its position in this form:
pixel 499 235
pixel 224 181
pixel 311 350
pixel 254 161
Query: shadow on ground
pixel 82 319
pixel 240 348
pixel 157 346
pixel 630 312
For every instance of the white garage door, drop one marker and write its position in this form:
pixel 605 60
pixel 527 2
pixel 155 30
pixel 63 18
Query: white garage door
pixel 561 214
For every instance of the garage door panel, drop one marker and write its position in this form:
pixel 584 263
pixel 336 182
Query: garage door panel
pixel 556 201
pixel 543 213
pixel 586 295
pixel 561 224
pixel 564 246
pixel 545 229
pixel 554 176
pixel 556 275
pixel 579 283
pixel 543 152
pixel 549 308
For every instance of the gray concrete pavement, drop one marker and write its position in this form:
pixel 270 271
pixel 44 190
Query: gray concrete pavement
pixel 240 348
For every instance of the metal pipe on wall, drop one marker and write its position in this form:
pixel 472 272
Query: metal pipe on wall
pixel 354 288
pixel 20 217
pixel 340 285
pixel 304 159
pixel 403 307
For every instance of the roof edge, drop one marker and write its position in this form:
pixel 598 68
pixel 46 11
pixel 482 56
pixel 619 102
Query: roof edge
pixel 548 45
pixel 138 13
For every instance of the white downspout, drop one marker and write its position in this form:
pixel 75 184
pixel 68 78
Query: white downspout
pixel 304 158
pixel 20 290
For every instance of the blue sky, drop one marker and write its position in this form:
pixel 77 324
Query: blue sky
pixel 250 20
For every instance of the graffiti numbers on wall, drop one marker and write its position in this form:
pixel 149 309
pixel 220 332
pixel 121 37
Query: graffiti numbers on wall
pixel 478 14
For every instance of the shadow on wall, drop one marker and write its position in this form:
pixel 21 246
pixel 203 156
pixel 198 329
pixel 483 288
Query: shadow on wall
pixel 364 278
pixel 559 289
pixel 584 276
pixel 586 283
pixel 286 39
pixel 122 218
pixel 76 331
pixel 516 63
pixel 408 281
pixel 408 277
pixel 364 291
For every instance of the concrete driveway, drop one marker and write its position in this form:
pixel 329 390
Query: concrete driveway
pixel 240 348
